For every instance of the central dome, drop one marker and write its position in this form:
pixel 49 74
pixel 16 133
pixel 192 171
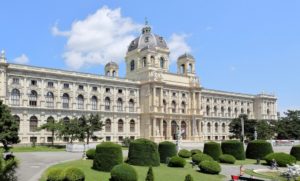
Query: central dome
pixel 147 40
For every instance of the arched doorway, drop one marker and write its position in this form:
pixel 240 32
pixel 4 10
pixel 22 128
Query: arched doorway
pixel 183 130
pixel 173 129
pixel 165 129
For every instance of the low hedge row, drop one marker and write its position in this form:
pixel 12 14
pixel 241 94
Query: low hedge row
pixel 227 159
pixel 210 167
pixel 177 161
pixel 68 174
pixel 282 159
pixel 184 153
pixel 198 158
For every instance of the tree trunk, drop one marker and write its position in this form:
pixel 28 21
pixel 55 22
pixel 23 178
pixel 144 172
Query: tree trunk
pixel 88 138
pixel 52 143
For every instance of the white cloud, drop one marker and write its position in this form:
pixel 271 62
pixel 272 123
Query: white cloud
pixel 23 59
pixel 98 39
pixel 178 46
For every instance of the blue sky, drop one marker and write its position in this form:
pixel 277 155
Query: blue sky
pixel 242 46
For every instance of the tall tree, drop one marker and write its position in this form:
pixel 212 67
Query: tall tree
pixel 8 169
pixel 288 127
pixel 265 129
pixel 89 124
pixel 53 126
pixel 236 129
pixel 8 127
pixel 70 129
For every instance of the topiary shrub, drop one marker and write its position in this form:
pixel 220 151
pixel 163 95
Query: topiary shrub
pixel 72 174
pixel 234 148
pixel 150 176
pixel 166 149
pixel 213 149
pixel 123 172
pixel 107 155
pixel 295 151
pixel 90 154
pixel 282 159
pixel 143 152
pixel 227 159
pixel 177 161
pixel 184 153
pixel 195 151
pixel 198 158
pixel 188 178
pixel 54 174
pixel 258 149
pixel 210 167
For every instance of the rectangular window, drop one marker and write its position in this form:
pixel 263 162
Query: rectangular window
pixel 15 80
pixel 120 138
pixel 120 91
pixel 33 139
pixel 94 89
pixel 107 138
pixel 80 87
pixel 33 82
pixel 66 86
pixel 50 84
pixel 107 90
pixel 49 139
pixel 66 139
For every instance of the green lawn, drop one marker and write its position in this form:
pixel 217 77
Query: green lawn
pixel 248 162
pixel 267 175
pixel 35 149
pixel 163 172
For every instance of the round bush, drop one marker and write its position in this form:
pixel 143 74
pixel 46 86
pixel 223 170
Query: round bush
pixel 258 149
pixel 210 167
pixel 213 149
pixel 282 159
pixel 184 153
pixel 123 172
pixel 54 174
pixel 198 158
pixel 227 159
pixel 166 149
pixel 73 174
pixel 177 161
pixel 195 151
pixel 90 154
pixel 143 152
pixel 295 151
pixel 234 148
pixel 107 155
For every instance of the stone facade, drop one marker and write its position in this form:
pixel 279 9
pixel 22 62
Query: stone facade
pixel 150 102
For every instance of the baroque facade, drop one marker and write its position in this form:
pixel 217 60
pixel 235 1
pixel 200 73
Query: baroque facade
pixel 150 102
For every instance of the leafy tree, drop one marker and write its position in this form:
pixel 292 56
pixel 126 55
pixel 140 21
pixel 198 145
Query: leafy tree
pixel 8 127
pixel 8 169
pixel 265 129
pixel 88 125
pixel 236 129
pixel 52 126
pixel 150 176
pixel 288 127
pixel 188 178
pixel 70 129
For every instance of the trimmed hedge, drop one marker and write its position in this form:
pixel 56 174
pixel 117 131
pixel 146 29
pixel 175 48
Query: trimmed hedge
pixel 54 174
pixel 227 159
pixel 213 149
pixel 282 159
pixel 90 154
pixel 198 158
pixel 123 172
pixel 188 178
pixel 73 174
pixel 177 161
pixel 107 155
pixel 234 148
pixel 166 149
pixel 295 151
pixel 258 149
pixel 195 151
pixel 184 153
pixel 143 152
pixel 210 167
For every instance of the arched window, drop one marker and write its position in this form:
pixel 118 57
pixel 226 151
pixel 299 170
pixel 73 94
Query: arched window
pixel 248 112
pixel 229 111
pixel 66 120
pixel 50 100
pixel 50 120
pixel 182 69
pixel 162 62
pixel 208 127
pixel 190 67
pixel 17 119
pixel 216 127
pixel 65 100
pixel 223 127
pixel 94 103
pixel 207 110
pixel 132 66
pixel 222 110
pixel 107 73
pixel 173 105
pixel 33 98
pixel 202 126
pixel 235 111
pixel 114 73
pixel 144 61
pixel 152 59
pixel 15 97
pixel 215 110
pixel 107 103
pixel 132 126
pixel 80 102
pixel 120 125
pixel 242 111
pixel 108 125
pixel 174 129
pixel 165 127
pixel 268 111
pixel 120 104
pixel 183 107
pixel 165 106
pixel 131 105
pixel 33 124
pixel 183 130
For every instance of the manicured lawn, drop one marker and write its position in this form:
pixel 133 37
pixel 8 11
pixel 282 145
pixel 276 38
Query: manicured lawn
pixel 162 173
pixel 267 175
pixel 248 162
pixel 36 149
